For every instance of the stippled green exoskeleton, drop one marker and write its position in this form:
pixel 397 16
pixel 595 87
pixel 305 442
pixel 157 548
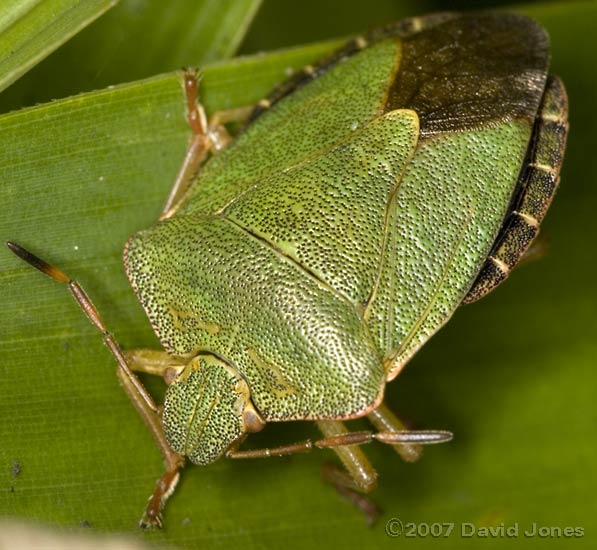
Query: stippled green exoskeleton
pixel 311 257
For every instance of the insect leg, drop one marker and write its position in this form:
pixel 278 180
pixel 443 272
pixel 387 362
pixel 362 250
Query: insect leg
pixel 198 147
pixel 358 475
pixel 339 478
pixel 385 420
pixel 165 486
pixel 361 475
pixel 207 136
pixel 139 396
pixel 338 437
pixel 156 362
pixel 220 137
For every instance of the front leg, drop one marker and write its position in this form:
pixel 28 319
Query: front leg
pixel 208 136
pixel 155 362
pixel 174 462
pixel 133 387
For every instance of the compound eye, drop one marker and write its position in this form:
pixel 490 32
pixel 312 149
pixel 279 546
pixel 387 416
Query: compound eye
pixel 252 420
pixel 171 374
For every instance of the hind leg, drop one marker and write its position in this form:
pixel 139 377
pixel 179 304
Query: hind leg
pixel 358 476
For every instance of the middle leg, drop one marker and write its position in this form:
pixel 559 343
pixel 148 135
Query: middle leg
pixel 358 476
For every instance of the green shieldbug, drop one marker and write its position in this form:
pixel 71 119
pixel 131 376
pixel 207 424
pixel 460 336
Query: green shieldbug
pixel 310 258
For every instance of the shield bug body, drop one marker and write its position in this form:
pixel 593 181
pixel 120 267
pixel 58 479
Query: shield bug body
pixel 309 259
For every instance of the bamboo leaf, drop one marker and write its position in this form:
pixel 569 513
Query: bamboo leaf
pixel 137 39
pixel 32 29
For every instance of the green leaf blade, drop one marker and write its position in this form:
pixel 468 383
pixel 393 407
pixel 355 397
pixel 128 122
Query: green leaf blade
pixel 135 40
pixel 30 30
pixel 222 40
